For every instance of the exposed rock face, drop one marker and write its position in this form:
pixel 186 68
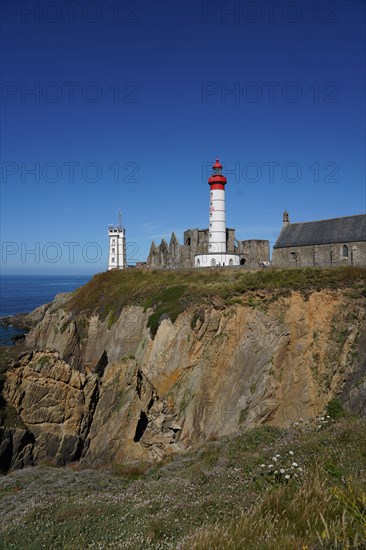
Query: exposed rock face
pixel 16 448
pixel 112 394
pixel 55 403
pixel 83 341
pixel 29 320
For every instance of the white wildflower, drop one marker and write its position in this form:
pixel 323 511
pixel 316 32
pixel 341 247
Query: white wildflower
pixel 287 476
pixel 282 471
pixel 291 453
pixel 263 465
pixel 295 464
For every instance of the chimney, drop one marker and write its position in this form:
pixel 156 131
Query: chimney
pixel 286 219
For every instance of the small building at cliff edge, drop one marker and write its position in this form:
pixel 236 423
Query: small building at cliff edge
pixel 117 245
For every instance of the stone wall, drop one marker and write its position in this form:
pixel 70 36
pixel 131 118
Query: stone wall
pixel 251 252
pixel 322 255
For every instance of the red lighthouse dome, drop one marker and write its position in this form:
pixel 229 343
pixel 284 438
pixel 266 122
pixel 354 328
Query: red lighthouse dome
pixel 217 180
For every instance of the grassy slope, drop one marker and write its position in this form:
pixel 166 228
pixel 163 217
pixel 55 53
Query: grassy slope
pixel 171 291
pixel 218 496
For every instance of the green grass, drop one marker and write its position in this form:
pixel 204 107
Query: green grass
pixel 168 303
pixel 222 495
pixel 167 293
pixel 335 409
pixel 171 291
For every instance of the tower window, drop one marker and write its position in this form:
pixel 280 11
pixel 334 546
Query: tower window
pixel 293 255
pixel 113 259
pixel 113 250
pixel 345 251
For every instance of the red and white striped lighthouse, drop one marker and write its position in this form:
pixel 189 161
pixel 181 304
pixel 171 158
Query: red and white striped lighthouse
pixel 217 227
pixel 217 255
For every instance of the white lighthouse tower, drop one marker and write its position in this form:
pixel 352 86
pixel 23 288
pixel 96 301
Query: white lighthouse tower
pixel 217 255
pixel 117 245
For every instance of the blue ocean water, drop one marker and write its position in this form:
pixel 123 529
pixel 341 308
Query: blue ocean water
pixel 23 293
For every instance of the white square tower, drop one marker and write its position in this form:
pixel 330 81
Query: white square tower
pixel 117 246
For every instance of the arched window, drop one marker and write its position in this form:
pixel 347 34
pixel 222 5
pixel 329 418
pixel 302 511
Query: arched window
pixel 231 262
pixel 213 262
pixel 242 261
pixel 345 251
pixel 189 241
pixel 113 250
pixel 198 263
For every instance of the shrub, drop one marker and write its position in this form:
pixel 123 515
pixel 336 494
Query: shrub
pixel 335 409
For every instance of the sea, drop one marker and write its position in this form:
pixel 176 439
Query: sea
pixel 23 293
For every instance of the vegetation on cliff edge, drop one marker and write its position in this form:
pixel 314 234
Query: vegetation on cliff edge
pixel 171 291
pixel 302 487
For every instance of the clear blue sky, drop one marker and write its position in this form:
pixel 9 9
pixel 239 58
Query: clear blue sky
pixel 159 89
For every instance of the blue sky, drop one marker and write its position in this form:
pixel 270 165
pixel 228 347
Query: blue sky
pixel 130 108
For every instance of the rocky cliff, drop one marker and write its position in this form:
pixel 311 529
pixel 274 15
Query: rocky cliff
pixel 110 386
